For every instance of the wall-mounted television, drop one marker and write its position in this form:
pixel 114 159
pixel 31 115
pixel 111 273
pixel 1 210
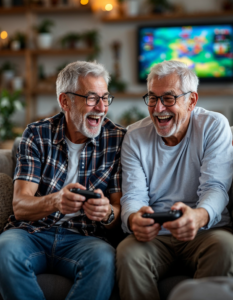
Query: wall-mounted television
pixel 205 48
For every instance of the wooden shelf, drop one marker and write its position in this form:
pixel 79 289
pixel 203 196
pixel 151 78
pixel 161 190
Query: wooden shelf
pixel 61 9
pixel 83 51
pixel 13 10
pixel 168 16
pixel 12 52
pixel 44 9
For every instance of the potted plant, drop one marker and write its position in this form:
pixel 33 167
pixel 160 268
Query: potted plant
pixel 91 38
pixel 9 104
pixel 8 73
pixel 160 6
pixel 116 85
pixel 44 38
pixel 131 116
pixel 70 40
pixel 18 41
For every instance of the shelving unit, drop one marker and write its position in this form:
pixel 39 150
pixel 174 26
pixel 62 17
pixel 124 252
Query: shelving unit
pixel 168 17
pixel 31 56
pixel 31 92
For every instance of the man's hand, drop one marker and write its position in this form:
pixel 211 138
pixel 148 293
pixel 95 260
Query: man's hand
pixel 97 209
pixel 68 202
pixel 144 229
pixel 185 228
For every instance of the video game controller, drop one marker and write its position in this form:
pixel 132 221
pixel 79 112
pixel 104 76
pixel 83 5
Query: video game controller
pixel 162 217
pixel 87 194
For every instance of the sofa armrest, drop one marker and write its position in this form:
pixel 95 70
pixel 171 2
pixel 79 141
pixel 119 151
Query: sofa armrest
pixel 6 197
pixel 6 162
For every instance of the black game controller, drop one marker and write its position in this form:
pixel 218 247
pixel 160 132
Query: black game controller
pixel 87 194
pixel 162 217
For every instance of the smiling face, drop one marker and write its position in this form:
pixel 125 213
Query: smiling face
pixel 85 121
pixel 171 123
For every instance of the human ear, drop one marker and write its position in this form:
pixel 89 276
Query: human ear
pixel 193 100
pixel 64 101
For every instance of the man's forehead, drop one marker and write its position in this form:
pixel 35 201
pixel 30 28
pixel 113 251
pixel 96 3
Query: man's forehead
pixel 169 82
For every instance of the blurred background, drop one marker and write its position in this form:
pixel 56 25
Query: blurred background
pixel 39 37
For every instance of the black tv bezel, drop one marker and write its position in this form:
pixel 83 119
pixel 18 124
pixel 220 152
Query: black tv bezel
pixel 201 79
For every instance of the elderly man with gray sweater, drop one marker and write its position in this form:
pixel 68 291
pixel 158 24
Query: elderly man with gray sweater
pixel 178 158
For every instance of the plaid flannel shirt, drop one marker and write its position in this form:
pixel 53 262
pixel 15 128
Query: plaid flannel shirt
pixel 42 158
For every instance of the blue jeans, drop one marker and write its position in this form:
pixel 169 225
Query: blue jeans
pixel 88 261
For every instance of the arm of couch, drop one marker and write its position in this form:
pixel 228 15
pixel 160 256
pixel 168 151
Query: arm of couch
pixel 6 162
pixel 6 197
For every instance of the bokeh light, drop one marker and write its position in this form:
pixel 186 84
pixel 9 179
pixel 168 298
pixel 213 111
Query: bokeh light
pixel 4 35
pixel 108 7
pixel 84 2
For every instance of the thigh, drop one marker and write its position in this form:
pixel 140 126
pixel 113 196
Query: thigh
pixel 210 253
pixel 20 248
pixel 156 255
pixel 75 255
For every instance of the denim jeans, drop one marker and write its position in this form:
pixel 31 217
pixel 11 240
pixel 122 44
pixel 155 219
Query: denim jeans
pixel 88 261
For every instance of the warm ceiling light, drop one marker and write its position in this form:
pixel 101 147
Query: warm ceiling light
pixel 84 2
pixel 4 35
pixel 108 7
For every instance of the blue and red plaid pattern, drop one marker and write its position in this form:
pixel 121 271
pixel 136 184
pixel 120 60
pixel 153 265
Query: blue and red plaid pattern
pixel 43 158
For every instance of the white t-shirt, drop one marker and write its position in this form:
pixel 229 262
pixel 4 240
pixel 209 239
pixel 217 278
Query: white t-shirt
pixel 72 173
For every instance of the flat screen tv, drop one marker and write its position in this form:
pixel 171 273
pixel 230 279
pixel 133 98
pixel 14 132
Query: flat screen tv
pixel 205 48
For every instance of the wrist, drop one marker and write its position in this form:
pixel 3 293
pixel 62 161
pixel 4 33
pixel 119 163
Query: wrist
pixel 108 213
pixel 109 218
pixel 203 216
pixel 130 221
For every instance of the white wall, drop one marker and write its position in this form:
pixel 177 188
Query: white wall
pixel 126 34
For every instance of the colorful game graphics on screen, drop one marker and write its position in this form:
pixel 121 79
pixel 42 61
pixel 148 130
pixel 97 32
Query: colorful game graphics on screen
pixel 207 49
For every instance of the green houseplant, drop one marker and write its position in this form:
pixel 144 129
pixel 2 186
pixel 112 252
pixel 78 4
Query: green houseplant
pixel 18 41
pixel 9 104
pixel 44 38
pixel 160 6
pixel 91 38
pixel 70 39
pixel 131 116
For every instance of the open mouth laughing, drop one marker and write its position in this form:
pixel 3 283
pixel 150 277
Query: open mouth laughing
pixel 94 120
pixel 163 119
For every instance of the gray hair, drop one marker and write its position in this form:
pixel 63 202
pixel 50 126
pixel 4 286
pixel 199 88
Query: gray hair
pixel 188 79
pixel 67 79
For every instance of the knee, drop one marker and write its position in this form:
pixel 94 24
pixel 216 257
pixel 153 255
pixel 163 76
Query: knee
pixel 104 257
pixel 222 245
pixel 130 252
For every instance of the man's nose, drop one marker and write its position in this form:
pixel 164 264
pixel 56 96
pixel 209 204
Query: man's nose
pixel 100 105
pixel 159 106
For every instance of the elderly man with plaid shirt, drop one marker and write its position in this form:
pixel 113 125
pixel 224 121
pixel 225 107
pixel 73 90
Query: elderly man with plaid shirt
pixel 52 228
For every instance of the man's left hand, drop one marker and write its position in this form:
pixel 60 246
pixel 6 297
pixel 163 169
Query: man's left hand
pixel 185 228
pixel 97 209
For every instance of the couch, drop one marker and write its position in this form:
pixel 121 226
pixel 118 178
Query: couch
pixel 56 287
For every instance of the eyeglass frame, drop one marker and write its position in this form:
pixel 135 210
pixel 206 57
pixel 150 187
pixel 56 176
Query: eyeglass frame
pixel 89 95
pixel 161 99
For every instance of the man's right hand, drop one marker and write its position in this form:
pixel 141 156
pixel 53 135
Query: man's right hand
pixel 144 229
pixel 68 202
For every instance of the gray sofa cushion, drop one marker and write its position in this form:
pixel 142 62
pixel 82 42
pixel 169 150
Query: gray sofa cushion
pixel 6 196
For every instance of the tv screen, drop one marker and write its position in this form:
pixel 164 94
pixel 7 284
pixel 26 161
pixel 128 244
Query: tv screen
pixel 207 49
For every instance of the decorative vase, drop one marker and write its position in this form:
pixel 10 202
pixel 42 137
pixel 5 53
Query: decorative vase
pixel 44 40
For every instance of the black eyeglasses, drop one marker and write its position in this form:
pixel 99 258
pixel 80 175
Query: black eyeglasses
pixel 167 100
pixel 93 100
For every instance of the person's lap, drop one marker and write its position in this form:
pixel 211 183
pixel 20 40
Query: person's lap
pixel 56 250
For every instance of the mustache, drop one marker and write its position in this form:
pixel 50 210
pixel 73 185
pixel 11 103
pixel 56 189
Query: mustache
pixel 95 114
pixel 164 113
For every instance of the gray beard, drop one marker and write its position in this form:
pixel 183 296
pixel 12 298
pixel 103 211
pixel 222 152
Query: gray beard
pixel 82 128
